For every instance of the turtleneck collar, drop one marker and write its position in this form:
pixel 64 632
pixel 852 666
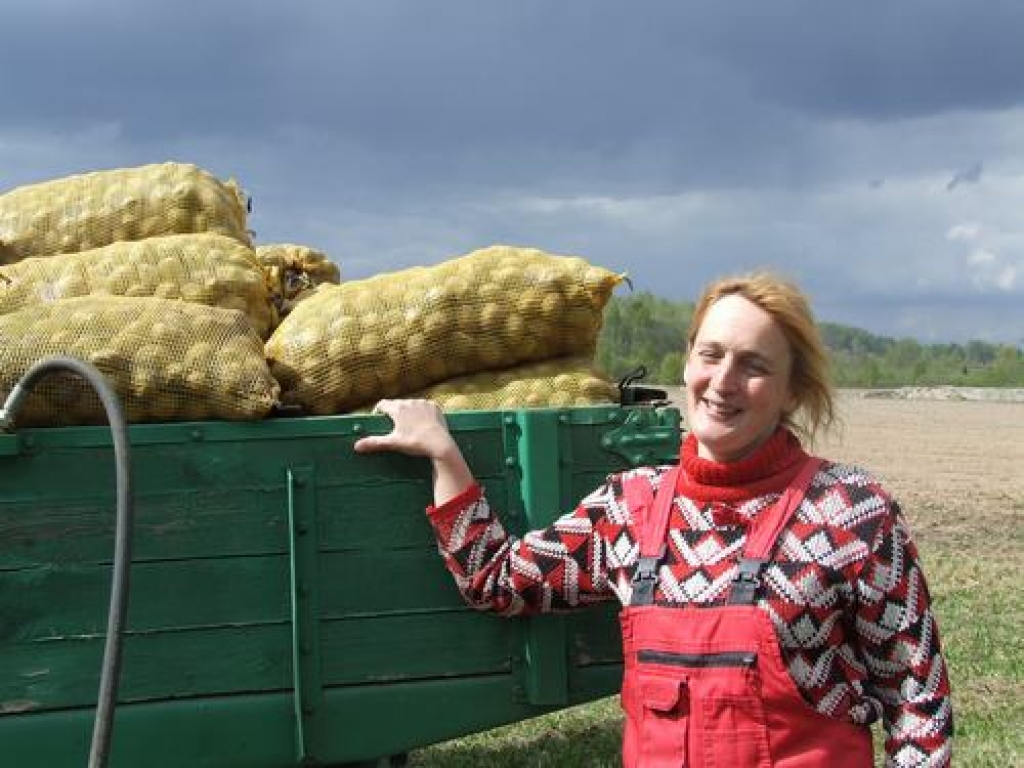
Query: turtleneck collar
pixel 768 469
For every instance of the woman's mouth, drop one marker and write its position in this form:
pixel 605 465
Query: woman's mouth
pixel 720 410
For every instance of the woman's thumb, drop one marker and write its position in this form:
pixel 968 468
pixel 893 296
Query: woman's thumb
pixel 371 444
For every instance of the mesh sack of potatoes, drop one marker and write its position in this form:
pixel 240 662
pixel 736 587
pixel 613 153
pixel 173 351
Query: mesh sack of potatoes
pixel 562 382
pixel 89 210
pixel 350 344
pixel 203 268
pixel 168 360
pixel 294 271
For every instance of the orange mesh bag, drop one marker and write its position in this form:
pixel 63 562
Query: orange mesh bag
pixel 203 268
pixel 294 271
pixel 168 360
pixel 89 210
pixel 350 344
pixel 563 382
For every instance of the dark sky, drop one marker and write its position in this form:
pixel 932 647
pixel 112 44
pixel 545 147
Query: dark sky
pixel 874 151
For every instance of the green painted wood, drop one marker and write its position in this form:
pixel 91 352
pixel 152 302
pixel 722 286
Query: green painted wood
pixel 54 674
pixel 210 654
pixel 10 445
pixel 49 603
pixel 54 604
pixel 254 731
pixel 197 523
pixel 49 675
pixel 206 516
pixel 383 582
pixel 417 646
pixel 594 636
pixel 544 652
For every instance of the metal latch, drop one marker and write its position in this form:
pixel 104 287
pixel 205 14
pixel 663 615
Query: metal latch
pixel 646 436
pixel 632 394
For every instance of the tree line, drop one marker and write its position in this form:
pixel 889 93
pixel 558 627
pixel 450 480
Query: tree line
pixel 645 330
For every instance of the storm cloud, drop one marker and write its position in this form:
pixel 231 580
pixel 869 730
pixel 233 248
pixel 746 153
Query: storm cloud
pixel 853 147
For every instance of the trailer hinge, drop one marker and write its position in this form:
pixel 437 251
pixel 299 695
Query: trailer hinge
pixel 646 436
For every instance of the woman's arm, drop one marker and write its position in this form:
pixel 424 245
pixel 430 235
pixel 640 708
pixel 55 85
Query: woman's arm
pixel 557 568
pixel 900 645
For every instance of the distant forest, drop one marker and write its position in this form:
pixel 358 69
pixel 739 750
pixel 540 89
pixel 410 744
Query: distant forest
pixel 643 329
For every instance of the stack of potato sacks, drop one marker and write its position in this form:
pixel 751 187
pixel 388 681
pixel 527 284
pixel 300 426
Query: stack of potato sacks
pixel 151 275
pixel 497 328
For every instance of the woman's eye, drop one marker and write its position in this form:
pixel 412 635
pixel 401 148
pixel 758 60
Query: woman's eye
pixel 759 369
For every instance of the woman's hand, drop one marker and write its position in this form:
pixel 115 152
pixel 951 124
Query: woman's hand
pixel 420 430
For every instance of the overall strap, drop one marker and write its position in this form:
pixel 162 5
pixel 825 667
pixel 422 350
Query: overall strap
pixel 764 532
pixel 652 513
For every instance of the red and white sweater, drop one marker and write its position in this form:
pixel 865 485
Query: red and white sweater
pixel 845 592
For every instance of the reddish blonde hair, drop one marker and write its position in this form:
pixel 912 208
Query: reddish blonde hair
pixel 810 373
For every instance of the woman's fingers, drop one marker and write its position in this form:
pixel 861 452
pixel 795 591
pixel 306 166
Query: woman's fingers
pixel 418 428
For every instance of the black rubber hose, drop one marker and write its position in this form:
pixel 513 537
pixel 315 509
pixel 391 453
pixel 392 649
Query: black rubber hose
pixel 110 672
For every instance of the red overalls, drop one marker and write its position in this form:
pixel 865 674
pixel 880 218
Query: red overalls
pixel 707 687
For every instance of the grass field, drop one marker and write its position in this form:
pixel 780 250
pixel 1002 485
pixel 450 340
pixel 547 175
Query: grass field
pixel 957 468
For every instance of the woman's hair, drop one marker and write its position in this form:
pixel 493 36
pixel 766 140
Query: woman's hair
pixel 810 375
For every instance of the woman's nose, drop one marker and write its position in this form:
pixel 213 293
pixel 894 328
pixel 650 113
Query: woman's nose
pixel 724 378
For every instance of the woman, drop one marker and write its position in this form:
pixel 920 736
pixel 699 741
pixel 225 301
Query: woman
pixel 774 604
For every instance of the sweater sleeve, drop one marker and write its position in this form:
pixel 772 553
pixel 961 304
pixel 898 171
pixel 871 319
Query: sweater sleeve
pixel 555 568
pixel 900 644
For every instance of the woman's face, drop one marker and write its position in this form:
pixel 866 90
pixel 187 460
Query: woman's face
pixel 737 378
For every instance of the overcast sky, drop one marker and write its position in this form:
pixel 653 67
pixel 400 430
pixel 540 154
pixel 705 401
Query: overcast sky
pixel 872 150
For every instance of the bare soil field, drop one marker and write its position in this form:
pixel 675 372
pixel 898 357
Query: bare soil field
pixel 955 465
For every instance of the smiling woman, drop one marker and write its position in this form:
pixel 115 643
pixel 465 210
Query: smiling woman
pixel 814 620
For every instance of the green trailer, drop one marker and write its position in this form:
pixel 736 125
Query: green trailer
pixel 287 603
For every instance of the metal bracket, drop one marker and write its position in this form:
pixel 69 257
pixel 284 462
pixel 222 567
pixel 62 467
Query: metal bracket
pixel 646 436
pixel 306 666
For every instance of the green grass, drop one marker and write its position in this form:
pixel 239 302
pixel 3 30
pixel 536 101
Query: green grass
pixel 584 736
pixel 977 597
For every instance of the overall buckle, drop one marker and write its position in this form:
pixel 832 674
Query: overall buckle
pixel 747 581
pixel 645 577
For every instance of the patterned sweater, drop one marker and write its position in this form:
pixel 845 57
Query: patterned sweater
pixel 845 592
